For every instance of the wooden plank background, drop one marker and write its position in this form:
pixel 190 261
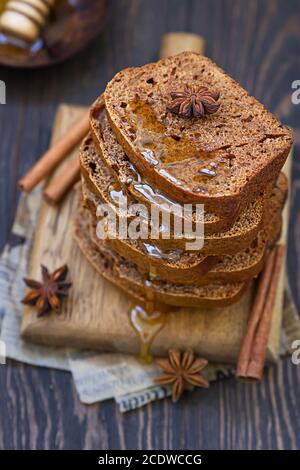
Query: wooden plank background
pixel 258 43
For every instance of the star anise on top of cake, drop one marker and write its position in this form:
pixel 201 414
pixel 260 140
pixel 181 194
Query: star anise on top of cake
pixel 181 370
pixel 48 294
pixel 194 101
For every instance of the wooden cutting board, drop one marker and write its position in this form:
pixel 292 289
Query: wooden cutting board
pixel 96 313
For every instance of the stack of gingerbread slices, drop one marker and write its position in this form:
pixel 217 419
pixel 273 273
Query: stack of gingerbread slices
pixel 182 189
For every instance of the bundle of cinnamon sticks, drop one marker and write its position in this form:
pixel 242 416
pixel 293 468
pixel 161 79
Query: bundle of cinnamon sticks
pixel 252 354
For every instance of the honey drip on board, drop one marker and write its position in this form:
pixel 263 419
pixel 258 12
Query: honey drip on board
pixel 147 321
pixel 146 324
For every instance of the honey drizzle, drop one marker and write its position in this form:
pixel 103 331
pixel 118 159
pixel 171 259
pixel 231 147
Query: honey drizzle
pixel 147 322
pixel 153 271
pixel 116 192
pixel 154 141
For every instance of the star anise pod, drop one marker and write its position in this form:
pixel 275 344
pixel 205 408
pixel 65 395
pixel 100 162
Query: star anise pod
pixel 180 370
pixel 47 295
pixel 194 101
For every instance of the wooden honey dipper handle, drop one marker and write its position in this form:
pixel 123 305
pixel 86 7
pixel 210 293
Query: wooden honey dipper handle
pixel 25 18
pixel 174 43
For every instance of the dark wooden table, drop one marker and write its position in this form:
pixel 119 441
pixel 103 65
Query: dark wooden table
pixel 258 43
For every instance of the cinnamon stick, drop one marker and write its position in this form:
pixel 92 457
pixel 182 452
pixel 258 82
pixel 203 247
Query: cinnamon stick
pixel 55 154
pixel 252 354
pixel 60 184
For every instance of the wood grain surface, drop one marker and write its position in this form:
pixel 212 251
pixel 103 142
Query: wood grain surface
pixel 259 45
